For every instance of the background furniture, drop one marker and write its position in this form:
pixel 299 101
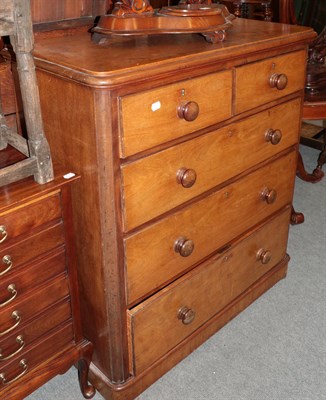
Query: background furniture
pixel 15 22
pixel 312 13
pixel 314 106
pixel 258 9
pixel 40 330
pixel 182 231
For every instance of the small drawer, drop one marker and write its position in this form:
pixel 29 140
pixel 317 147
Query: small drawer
pixel 19 368
pixel 22 309
pixel 27 334
pixel 167 248
pixel 189 169
pixel 13 257
pixel 16 285
pixel 24 218
pixel 159 115
pixel 269 80
pixel 164 320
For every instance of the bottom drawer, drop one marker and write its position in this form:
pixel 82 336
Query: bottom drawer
pixel 20 366
pixel 165 319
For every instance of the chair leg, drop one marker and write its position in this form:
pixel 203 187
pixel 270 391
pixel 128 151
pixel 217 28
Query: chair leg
pixel 321 160
pixel 317 174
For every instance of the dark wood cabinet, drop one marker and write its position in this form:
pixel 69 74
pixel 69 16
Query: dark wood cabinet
pixel 40 329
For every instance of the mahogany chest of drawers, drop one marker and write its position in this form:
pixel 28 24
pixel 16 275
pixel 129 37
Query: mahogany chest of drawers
pixel 187 154
pixel 40 332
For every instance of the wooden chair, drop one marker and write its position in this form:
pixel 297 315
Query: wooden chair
pixel 16 34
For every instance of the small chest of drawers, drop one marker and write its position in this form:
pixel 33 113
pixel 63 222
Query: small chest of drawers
pixel 187 153
pixel 40 333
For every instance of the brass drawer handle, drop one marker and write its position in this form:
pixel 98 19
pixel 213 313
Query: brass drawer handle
pixel 11 289
pixel 184 246
pixel 23 365
pixel 7 261
pixel 186 315
pixel 264 256
pixel 16 316
pixel 21 343
pixel 278 81
pixel 3 233
pixel 269 195
pixel 186 177
pixel 188 111
pixel 273 135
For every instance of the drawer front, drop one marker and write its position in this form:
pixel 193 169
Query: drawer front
pixel 261 82
pixel 159 115
pixel 164 320
pixel 14 370
pixel 191 168
pixel 12 258
pixel 30 277
pixel 27 334
pixel 27 217
pixel 154 256
pixel 23 308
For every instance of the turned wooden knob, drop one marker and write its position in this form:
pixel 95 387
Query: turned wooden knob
pixel 187 315
pixel 188 111
pixel 264 256
pixel 269 195
pixel 273 135
pixel 184 247
pixel 186 177
pixel 278 81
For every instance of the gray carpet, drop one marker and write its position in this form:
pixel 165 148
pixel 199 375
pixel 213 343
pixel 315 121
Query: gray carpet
pixel 275 349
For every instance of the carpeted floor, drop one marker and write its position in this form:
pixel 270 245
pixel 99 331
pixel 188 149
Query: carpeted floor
pixel 275 349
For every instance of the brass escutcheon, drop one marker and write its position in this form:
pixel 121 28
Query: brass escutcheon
pixel 3 233
pixel 23 365
pixel 16 316
pixel 7 261
pixel 12 290
pixel 21 343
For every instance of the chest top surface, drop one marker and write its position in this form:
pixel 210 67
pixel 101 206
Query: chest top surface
pixel 122 59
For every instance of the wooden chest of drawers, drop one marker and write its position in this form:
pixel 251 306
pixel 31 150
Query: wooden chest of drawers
pixel 40 332
pixel 187 154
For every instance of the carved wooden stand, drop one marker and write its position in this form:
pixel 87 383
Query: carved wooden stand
pixel 137 17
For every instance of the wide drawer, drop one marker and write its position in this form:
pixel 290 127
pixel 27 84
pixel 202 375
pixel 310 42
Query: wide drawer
pixel 263 81
pixel 156 116
pixel 162 251
pixel 22 309
pixel 189 169
pixel 27 334
pixel 163 321
pixel 28 216
pixel 15 285
pixel 19 366
pixel 13 257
